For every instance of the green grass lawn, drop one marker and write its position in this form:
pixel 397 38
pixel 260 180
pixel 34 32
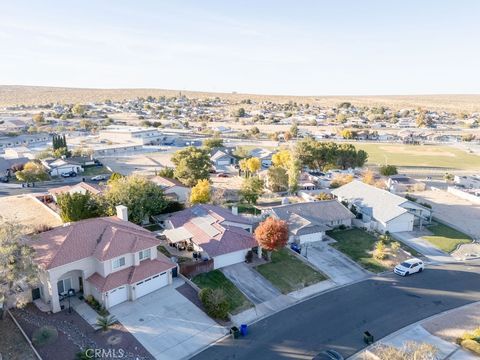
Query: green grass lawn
pixel 441 156
pixel 95 170
pixel 216 280
pixel 288 273
pixel 356 244
pixel 446 238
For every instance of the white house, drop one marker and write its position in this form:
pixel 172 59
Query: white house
pixel 381 210
pixel 108 258
pixel 308 222
pixel 57 167
pixel 81 188
pixel 264 155
pixel 213 231
pixel 221 159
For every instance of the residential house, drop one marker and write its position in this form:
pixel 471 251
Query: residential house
pixel 264 155
pixel 18 153
pixel 108 258
pixel 402 184
pixel 221 159
pixel 381 210
pixel 469 182
pixel 81 188
pixel 173 189
pixel 57 167
pixel 7 164
pixel 213 231
pixel 308 221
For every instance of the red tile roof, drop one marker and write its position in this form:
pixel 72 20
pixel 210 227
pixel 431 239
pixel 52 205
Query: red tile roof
pixel 103 238
pixel 228 238
pixel 132 274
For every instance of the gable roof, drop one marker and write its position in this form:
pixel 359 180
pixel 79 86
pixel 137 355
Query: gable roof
pixel 92 188
pixel 103 238
pixel 166 182
pixel 219 154
pixel 382 205
pixel 311 217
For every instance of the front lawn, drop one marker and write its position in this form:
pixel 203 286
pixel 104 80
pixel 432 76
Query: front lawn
pixel 95 170
pixel 216 280
pixel 445 238
pixel 288 273
pixel 358 245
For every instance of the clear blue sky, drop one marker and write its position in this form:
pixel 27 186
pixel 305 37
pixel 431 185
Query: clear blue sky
pixel 273 47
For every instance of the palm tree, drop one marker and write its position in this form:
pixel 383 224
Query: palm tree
pixel 105 322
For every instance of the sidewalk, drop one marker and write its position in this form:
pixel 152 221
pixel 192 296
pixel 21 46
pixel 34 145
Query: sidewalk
pixel 439 330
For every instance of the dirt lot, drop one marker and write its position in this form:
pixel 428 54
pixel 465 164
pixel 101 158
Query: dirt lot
pixel 13 345
pixel 140 163
pixel 27 211
pixel 450 209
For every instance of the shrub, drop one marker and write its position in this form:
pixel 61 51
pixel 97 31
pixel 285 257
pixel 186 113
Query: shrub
pixel 471 345
pixel 342 227
pixel 395 246
pixel 249 256
pixel 105 322
pixel 215 302
pixel 379 252
pixel 45 335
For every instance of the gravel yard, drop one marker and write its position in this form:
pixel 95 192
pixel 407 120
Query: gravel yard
pixel 13 345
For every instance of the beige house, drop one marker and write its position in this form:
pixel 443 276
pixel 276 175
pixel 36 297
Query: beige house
pixel 173 188
pixel 109 258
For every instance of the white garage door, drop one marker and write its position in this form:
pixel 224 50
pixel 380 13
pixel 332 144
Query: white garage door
pixel 153 283
pixel 117 296
pixel 229 259
pixel 223 162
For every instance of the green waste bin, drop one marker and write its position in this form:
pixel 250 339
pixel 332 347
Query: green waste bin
pixel 235 332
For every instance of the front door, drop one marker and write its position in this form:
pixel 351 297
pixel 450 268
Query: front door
pixel 36 293
pixel 80 284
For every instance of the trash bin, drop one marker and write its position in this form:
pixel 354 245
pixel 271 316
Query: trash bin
pixel 367 338
pixel 235 332
pixel 243 329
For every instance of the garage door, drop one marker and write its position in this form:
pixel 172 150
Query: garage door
pixel 153 283
pixel 229 259
pixel 223 162
pixel 117 296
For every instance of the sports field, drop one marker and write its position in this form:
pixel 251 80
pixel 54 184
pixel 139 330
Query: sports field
pixel 434 156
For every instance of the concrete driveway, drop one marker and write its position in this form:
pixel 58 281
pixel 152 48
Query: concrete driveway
pixel 167 324
pixel 255 287
pixel 340 269
pixel 414 240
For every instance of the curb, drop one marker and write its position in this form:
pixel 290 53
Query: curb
pixel 358 353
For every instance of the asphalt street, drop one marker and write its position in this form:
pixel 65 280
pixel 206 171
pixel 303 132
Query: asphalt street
pixel 337 319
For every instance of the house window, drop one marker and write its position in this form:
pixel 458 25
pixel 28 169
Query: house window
pixel 64 285
pixel 119 262
pixel 144 254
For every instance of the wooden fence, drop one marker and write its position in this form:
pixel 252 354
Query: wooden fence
pixel 190 269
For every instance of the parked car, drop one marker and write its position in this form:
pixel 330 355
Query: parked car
pixel 69 174
pixel 409 267
pixel 98 178
pixel 4 179
pixel 328 355
pixel 223 175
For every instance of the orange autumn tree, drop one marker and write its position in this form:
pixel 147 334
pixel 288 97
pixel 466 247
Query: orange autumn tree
pixel 272 234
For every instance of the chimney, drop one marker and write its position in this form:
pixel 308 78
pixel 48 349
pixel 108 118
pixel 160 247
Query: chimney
pixel 235 210
pixel 122 212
